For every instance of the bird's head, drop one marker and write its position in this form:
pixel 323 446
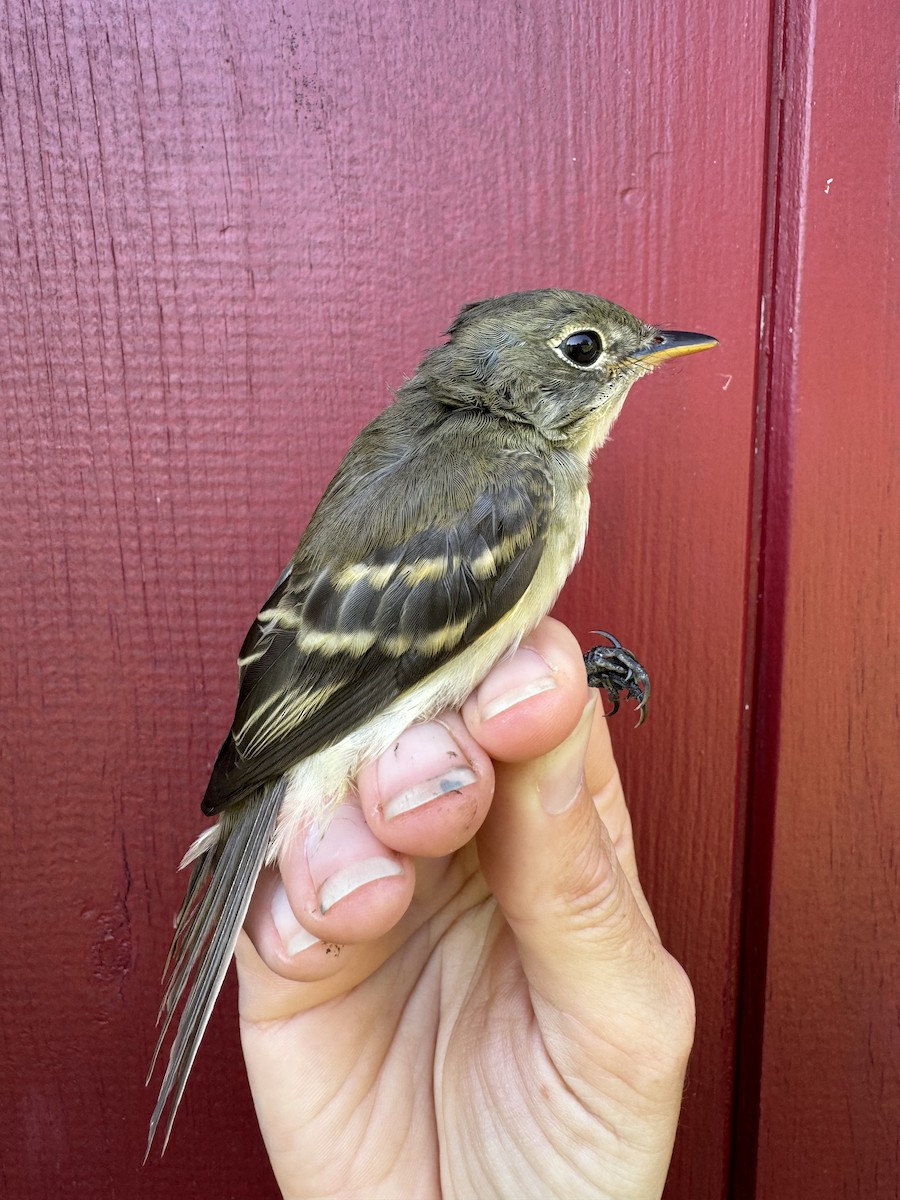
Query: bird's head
pixel 558 360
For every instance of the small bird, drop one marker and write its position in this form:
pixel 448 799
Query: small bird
pixel 443 539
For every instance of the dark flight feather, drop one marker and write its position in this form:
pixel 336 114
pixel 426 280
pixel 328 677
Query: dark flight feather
pixel 207 928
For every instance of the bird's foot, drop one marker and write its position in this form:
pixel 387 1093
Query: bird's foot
pixel 616 670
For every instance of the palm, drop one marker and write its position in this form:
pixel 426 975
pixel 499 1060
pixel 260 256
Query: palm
pixel 435 1076
pixel 365 1118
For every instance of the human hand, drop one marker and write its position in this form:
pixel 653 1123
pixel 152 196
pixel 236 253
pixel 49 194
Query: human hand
pixel 490 1011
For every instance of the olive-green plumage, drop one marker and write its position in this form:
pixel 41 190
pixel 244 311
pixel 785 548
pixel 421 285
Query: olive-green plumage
pixel 445 536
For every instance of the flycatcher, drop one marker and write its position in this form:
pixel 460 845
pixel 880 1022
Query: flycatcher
pixel 445 536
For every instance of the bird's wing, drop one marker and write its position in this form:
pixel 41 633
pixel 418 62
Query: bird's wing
pixel 340 639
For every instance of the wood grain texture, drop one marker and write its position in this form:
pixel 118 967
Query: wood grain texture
pixel 829 1088
pixel 227 231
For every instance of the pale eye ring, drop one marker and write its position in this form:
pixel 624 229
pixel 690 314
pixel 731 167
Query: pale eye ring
pixel 582 348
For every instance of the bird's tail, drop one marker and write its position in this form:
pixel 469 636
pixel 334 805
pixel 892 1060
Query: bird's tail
pixel 226 864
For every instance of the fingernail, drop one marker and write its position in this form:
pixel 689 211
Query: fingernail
pixel 294 937
pixel 354 876
pixel 520 677
pixel 562 776
pixel 341 857
pixel 429 750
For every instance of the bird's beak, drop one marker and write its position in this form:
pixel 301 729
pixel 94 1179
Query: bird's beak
pixel 669 343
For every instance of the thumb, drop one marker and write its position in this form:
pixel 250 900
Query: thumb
pixel 598 974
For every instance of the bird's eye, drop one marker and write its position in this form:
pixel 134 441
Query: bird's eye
pixel 582 348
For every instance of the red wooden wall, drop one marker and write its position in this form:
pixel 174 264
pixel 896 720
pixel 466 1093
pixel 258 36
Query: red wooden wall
pixel 226 231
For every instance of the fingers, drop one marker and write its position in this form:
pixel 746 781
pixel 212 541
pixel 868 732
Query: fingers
pixel 332 888
pixel 596 969
pixel 430 792
pixel 528 705
pixel 531 701
pixel 351 881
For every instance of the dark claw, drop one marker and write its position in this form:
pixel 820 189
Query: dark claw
pixel 616 670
